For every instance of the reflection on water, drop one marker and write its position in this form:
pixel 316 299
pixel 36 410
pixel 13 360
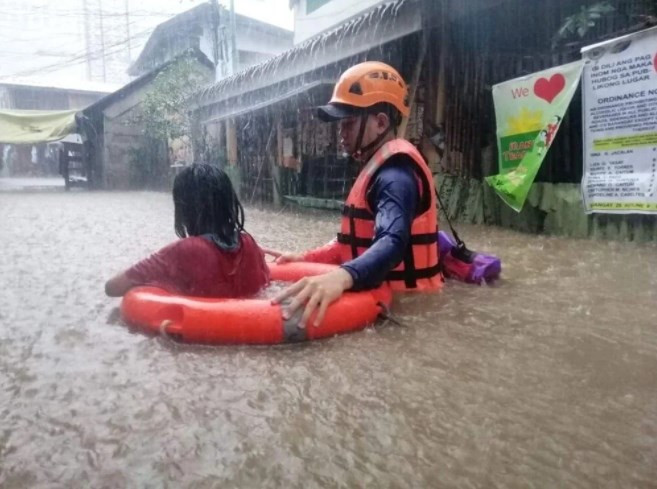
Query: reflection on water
pixel 547 379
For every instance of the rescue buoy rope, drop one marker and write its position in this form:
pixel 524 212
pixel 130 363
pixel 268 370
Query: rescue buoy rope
pixel 163 328
pixel 387 315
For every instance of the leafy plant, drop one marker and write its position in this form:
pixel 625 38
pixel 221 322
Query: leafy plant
pixel 163 117
pixel 164 110
pixel 581 22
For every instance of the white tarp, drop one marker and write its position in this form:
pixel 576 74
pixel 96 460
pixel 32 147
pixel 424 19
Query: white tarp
pixel 35 126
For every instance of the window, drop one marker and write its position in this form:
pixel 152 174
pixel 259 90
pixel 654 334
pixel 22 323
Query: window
pixel 312 5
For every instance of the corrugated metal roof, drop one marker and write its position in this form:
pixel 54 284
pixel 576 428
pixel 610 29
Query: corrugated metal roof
pixel 308 93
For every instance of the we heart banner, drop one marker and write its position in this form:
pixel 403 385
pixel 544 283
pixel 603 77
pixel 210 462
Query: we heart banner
pixel 529 111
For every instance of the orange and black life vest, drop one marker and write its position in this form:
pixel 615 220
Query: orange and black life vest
pixel 419 270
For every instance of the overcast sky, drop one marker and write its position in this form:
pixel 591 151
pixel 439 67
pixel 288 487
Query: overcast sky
pixel 46 39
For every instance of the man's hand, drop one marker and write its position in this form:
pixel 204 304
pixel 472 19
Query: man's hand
pixel 319 291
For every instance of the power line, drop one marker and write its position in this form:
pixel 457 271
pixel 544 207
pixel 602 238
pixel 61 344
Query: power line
pixel 80 13
pixel 81 57
pixel 76 38
pixel 96 14
pixel 87 55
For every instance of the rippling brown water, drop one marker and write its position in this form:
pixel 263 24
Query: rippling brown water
pixel 548 379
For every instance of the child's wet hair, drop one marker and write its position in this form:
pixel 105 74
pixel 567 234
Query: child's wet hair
pixel 206 203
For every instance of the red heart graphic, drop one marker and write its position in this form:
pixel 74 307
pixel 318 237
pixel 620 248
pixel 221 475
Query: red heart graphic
pixel 548 89
pixel 655 62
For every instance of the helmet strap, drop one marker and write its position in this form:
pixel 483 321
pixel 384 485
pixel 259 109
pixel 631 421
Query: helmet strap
pixel 360 151
pixel 361 133
pixel 374 144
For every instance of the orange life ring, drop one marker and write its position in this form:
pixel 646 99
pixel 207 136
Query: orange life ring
pixel 249 321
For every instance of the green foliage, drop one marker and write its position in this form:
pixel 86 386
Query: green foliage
pixel 163 116
pixel 164 110
pixel 581 22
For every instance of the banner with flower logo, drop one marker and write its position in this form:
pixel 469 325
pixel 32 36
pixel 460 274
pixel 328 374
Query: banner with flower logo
pixel 529 111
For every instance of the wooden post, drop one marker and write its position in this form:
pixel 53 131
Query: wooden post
pixel 442 76
pixel 221 135
pixel 415 80
pixel 277 163
pixel 232 168
pixel 266 158
pixel 64 168
pixel 231 142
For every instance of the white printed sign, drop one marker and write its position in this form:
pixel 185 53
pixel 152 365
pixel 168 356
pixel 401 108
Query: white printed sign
pixel 620 125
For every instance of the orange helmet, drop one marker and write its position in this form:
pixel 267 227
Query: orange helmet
pixel 363 86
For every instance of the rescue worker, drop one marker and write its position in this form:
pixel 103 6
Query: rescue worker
pixel 389 222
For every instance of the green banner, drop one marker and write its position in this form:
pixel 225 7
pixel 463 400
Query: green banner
pixel 529 111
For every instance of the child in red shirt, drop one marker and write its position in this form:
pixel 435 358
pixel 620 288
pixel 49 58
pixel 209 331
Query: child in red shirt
pixel 215 257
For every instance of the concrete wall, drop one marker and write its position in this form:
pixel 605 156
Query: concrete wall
pixel 551 208
pixel 333 13
pixel 253 36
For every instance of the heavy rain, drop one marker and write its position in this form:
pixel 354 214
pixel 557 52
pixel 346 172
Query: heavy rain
pixel 516 348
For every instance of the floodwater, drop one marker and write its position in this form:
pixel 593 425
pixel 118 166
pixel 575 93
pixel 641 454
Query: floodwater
pixel 547 379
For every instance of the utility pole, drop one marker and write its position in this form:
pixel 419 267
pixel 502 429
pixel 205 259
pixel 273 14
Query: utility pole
pixel 102 37
pixel 216 49
pixel 127 27
pixel 87 37
pixel 233 37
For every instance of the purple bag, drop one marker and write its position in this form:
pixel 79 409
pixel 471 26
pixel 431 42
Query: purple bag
pixel 465 265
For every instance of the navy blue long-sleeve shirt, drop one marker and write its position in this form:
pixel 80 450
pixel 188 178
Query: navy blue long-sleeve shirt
pixel 393 196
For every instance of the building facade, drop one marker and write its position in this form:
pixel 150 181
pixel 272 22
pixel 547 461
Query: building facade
pixel 36 160
pixel 313 17
pixel 208 29
pixel 451 53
